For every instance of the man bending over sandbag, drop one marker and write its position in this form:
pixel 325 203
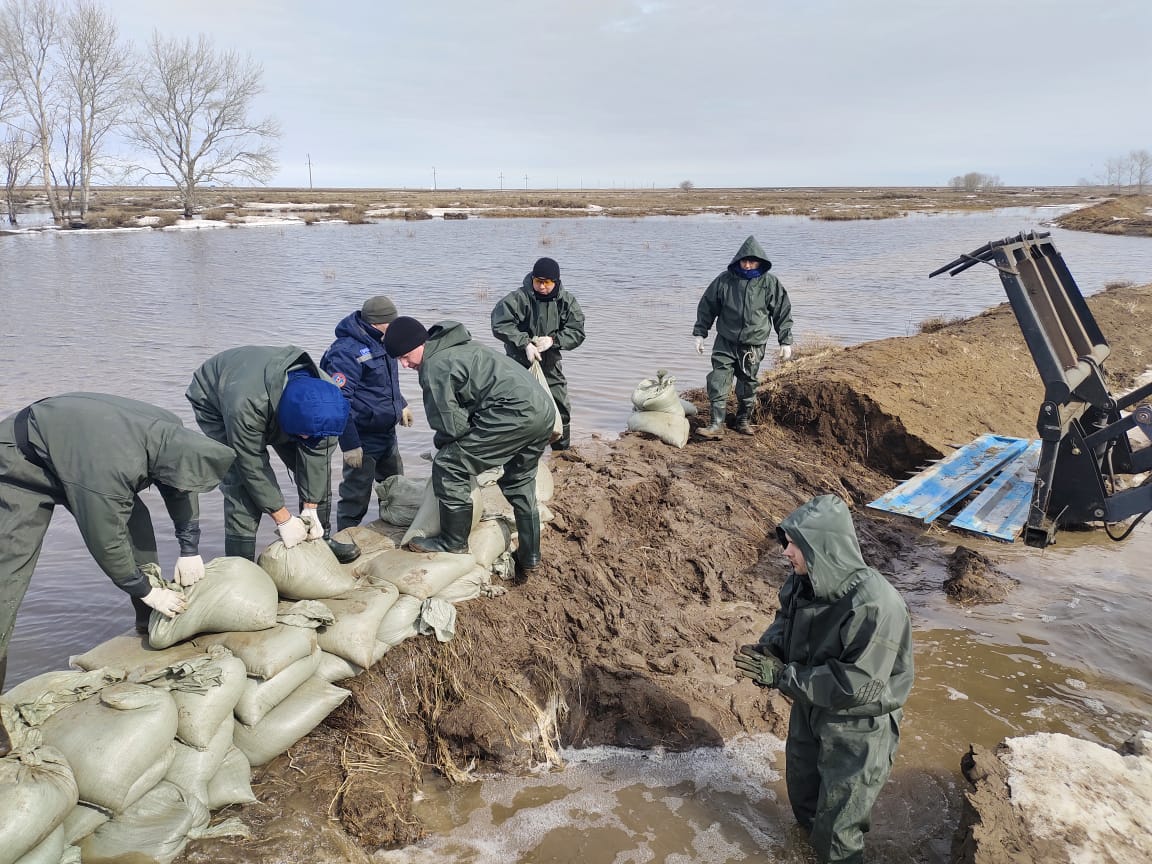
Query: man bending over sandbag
pixel 486 410
pixel 93 454
pixel 257 397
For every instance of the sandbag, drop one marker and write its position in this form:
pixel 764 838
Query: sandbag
pixel 358 616
pixel 489 540
pixel 289 721
pixel 266 653
pixel 132 653
pixel 418 574
pixel 202 713
pixel 467 587
pixel 259 696
pixel 427 520
pixel 191 769
pixel 156 828
pixel 658 395
pixel 232 783
pixel 37 792
pixel 690 409
pixel 48 851
pixel 669 428
pixel 400 498
pixel 545 485
pixel 400 622
pixel 118 742
pixel 558 423
pixel 235 594
pixel 437 617
pixel 38 698
pixel 332 668
pixel 307 571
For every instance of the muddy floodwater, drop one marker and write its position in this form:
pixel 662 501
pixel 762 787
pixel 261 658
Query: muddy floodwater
pixel 135 313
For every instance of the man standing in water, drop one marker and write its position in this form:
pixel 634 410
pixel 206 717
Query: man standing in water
pixel 841 649
pixel 745 302
pixel 536 322
pixel 486 412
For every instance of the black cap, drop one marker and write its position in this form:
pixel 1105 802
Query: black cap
pixel 546 268
pixel 404 334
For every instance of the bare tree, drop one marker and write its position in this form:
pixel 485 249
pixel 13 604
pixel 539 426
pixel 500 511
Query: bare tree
pixel 1140 173
pixel 193 117
pixel 687 185
pixel 974 181
pixel 16 166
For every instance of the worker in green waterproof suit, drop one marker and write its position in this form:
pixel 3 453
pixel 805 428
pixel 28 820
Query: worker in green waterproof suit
pixel 487 411
pixel 841 648
pixel 256 397
pixel 745 302
pixel 536 322
pixel 93 453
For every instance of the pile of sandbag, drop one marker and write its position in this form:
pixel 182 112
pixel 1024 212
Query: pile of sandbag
pixel 659 411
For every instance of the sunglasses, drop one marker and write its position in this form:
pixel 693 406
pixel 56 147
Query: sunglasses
pixel 543 283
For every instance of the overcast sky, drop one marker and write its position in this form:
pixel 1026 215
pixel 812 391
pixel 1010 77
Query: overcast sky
pixel 625 93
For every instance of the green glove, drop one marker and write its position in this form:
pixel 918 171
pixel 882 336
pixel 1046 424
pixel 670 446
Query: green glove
pixel 758 665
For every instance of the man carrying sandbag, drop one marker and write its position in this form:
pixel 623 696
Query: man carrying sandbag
pixel 536 322
pixel 369 379
pixel 257 397
pixel 486 411
pixel 93 454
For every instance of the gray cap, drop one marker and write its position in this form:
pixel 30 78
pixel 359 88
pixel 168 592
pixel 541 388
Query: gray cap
pixel 378 310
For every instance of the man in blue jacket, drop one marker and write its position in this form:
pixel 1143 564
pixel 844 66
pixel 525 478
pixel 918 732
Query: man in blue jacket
pixel 367 377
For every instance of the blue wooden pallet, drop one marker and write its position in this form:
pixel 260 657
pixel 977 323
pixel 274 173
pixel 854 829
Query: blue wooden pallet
pixel 1001 509
pixel 937 488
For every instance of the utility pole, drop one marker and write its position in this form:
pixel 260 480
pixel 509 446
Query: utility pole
pixel 433 178
pixel 501 181
pixel 525 182
pixel 309 155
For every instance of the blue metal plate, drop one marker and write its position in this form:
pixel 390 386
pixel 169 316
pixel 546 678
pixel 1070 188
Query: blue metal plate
pixel 1001 510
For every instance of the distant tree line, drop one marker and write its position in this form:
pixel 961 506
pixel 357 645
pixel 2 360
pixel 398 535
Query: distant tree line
pixel 1132 173
pixel 70 86
pixel 974 181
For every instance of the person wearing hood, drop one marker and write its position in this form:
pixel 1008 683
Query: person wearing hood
pixel 369 379
pixel 745 302
pixel 536 322
pixel 93 454
pixel 256 397
pixel 841 648
pixel 487 411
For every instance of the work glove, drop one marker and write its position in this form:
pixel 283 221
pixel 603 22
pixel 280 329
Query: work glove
pixel 699 344
pixel 168 603
pixel 310 516
pixel 354 458
pixel 763 668
pixel 533 353
pixel 293 531
pixel 785 352
pixel 543 343
pixel 406 417
pixel 189 570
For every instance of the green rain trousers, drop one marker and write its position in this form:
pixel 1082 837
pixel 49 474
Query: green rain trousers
pixel 732 360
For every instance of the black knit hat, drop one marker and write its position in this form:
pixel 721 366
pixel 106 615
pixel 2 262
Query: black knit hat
pixel 404 334
pixel 546 268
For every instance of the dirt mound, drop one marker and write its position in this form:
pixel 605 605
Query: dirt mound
pixel 974 578
pixel 1127 214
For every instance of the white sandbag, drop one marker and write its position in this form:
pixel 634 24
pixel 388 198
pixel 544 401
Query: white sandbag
pixel 202 713
pixel 266 653
pixel 669 428
pixel 437 617
pixel 358 616
pixel 132 653
pixel 658 394
pixel 417 574
pixel 260 696
pixel 115 742
pixel 191 769
pixel 332 668
pixel 545 485
pixel 232 783
pixel 81 821
pixel 489 540
pixel 467 587
pixel 558 422
pixel 235 594
pixel 155 829
pixel 289 721
pixel 400 498
pixel 690 409
pixel 49 851
pixel 546 514
pixel 38 698
pixel 492 475
pixel 495 504
pixel 372 537
pixel 37 792
pixel 400 622
pixel 427 520
pixel 307 571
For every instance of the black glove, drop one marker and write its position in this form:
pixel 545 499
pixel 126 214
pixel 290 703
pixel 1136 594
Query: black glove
pixel 754 662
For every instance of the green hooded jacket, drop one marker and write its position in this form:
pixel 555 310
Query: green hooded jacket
pixel 103 450
pixel 239 391
pixel 843 630
pixel 522 315
pixel 746 310
pixel 469 387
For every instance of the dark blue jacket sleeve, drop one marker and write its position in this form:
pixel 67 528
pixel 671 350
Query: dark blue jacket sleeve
pixel 340 363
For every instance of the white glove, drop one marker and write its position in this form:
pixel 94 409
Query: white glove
pixel 699 344
pixel 353 458
pixel 189 570
pixel 543 343
pixel 533 353
pixel 311 517
pixel 406 416
pixel 292 531
pixel 167 603
pixel 785 352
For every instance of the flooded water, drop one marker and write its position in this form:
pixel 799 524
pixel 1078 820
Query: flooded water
pixel 136 313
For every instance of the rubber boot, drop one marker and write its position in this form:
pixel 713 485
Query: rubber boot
pixel 743 423
pixel 143 615
pixel 345 553
pixel 716 430
pixel 527 554
pixel 455 525
pixel 240 547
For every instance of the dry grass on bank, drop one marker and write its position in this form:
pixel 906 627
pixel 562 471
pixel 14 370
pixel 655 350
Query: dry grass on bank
pixel 1129 215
